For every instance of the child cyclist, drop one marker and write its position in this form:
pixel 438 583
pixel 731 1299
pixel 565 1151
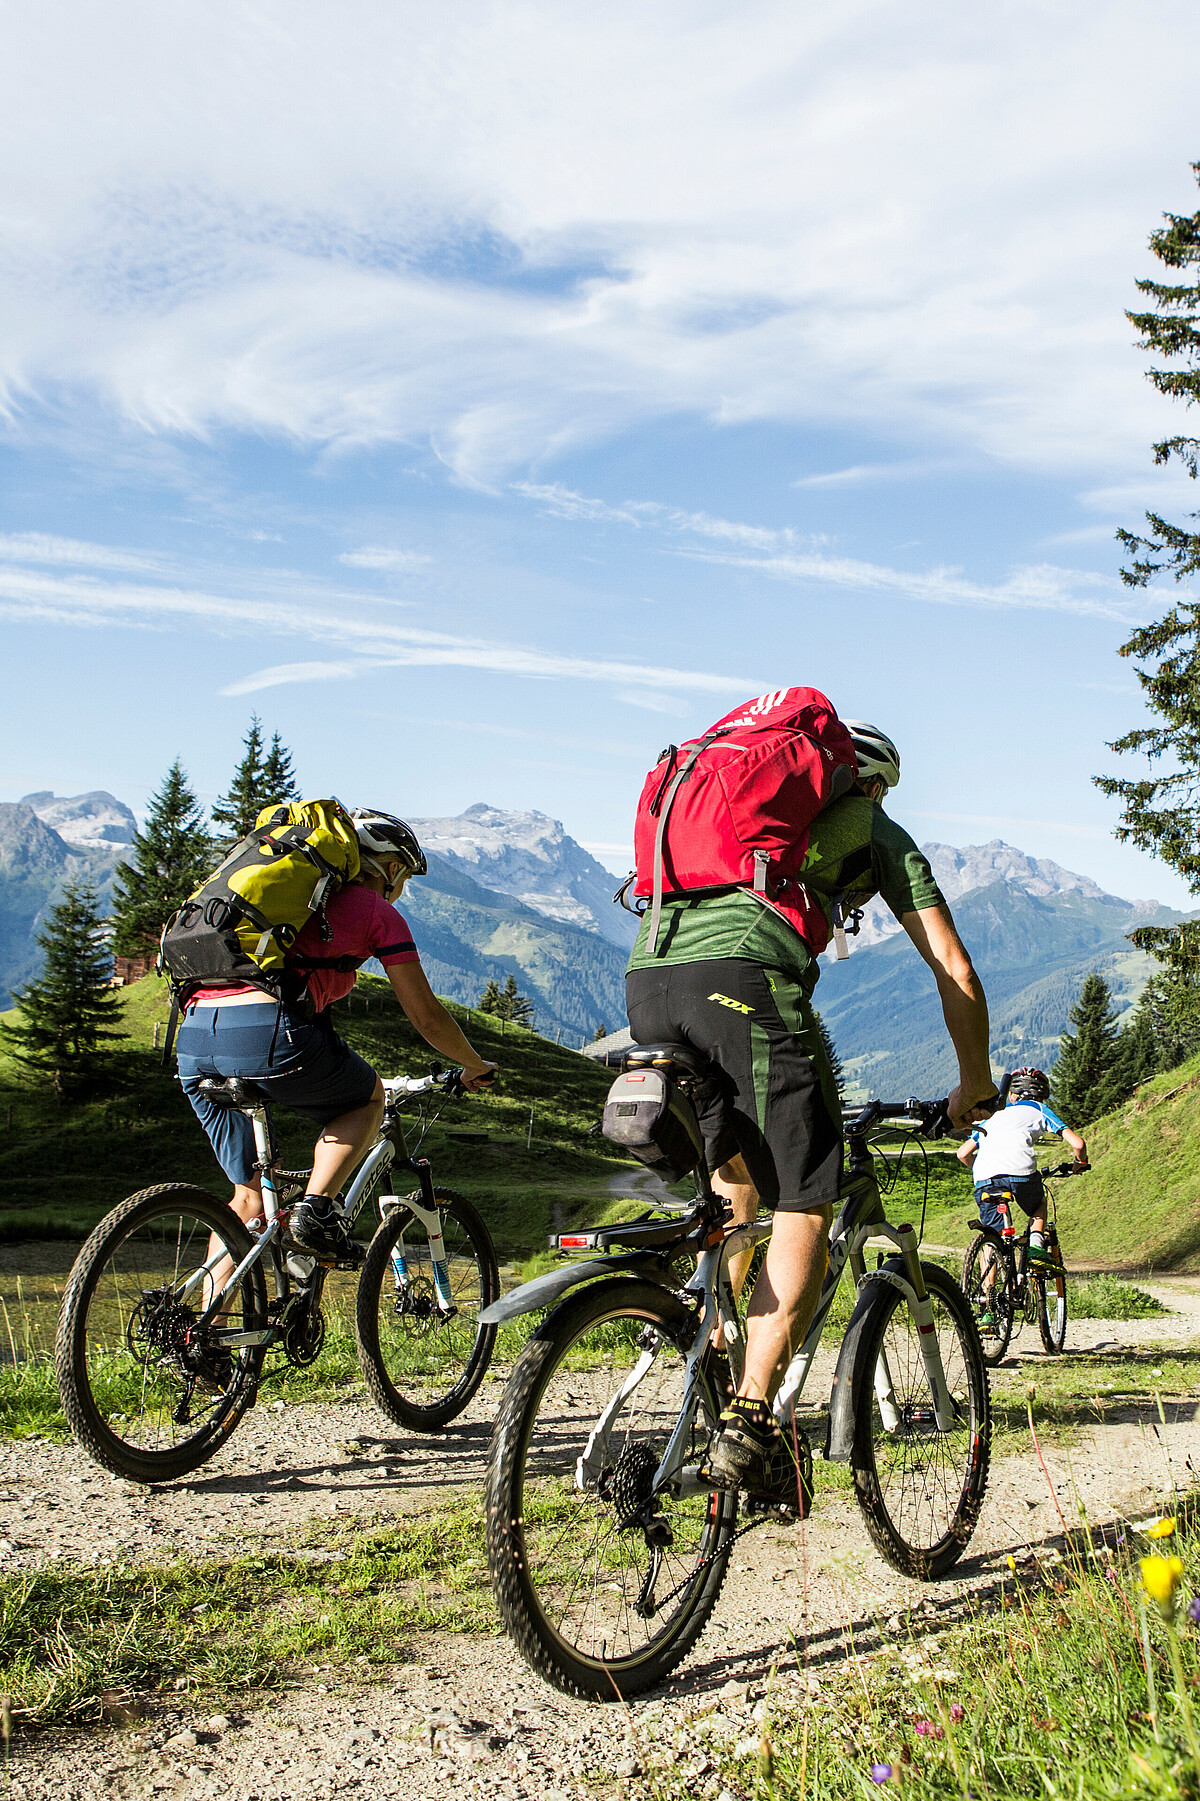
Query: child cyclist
pixel 1001 1154
pixel 294 1057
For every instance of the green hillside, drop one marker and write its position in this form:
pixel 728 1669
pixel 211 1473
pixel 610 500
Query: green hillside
pixel 61 1169
pixel 1140 1206
pixel 1032 952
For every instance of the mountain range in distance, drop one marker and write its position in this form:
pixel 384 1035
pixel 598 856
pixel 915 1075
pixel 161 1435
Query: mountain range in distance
pixel 510 892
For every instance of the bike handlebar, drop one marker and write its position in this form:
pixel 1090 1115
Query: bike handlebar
pixel 402 1088
pixel 930 1117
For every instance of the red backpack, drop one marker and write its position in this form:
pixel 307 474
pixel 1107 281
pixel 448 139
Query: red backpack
pixel 739 802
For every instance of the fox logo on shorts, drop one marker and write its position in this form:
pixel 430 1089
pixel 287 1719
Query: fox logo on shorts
pixel 725 1000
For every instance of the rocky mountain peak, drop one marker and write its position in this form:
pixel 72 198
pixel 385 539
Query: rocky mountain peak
pixel 96 820
pixel 530 856
pixel 961 870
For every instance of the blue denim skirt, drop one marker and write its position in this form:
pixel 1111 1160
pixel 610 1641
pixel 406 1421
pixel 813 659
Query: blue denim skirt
pixel 291 1060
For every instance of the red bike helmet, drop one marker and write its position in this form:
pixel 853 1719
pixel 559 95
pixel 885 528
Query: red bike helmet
pixel 1029 1085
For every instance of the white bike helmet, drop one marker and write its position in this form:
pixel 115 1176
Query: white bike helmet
pixel 877 755
pixel 382 838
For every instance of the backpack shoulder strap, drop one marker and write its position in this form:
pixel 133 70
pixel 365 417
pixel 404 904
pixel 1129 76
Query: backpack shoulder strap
pixel 668 801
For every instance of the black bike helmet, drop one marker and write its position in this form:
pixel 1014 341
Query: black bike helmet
pixel 1029 1085
pixel 382 838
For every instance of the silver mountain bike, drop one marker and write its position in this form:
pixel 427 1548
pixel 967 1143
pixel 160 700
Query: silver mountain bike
pixel 607 1544
pixel 166 1319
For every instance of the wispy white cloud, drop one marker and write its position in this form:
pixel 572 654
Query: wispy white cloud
pixel 789 557
pixel 283 674
pixel 42 547
pixel 443 262
pixel 377 556
pixel 79 600
pixel 1037 587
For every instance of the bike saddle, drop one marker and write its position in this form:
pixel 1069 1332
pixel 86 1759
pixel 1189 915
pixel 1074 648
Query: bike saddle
pixel 227 1091
pixel 679 1059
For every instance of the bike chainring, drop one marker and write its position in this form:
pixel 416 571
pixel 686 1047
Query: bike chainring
pixel 303 1332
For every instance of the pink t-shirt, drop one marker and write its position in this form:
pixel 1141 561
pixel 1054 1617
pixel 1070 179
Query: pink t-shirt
pixel 363 925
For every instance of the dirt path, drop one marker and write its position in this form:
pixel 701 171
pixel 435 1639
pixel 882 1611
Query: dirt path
pixel 470 1713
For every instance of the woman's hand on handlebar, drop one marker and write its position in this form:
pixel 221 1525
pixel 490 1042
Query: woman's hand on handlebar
pixel 478 1075
pixel 967 1106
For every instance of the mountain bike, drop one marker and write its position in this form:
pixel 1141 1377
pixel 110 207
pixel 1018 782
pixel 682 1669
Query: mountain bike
pixel 166 1319
pixel 607 1543
pixel 1003 1287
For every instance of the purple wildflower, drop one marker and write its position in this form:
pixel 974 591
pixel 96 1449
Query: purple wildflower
pixel 957 1711
pixel 927 1729
pixel 1193 1611
pixel 881 1772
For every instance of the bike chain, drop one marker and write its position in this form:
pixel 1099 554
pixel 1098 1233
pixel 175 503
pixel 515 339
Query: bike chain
pixel 751 1526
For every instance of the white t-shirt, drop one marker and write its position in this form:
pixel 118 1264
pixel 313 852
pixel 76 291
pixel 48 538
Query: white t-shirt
pixel 1006 1142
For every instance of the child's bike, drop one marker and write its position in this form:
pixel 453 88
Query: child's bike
pixel 167 1317
pixel 1004 1288
pixel 607 1542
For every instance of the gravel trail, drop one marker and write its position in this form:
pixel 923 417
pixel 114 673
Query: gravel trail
pixel 469 1713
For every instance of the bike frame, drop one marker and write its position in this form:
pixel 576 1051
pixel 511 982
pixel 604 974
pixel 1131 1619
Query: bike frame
pixel 860 1218
pixel 268 1229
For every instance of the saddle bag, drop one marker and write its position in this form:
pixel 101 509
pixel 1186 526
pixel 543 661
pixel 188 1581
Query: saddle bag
pixel 648 1116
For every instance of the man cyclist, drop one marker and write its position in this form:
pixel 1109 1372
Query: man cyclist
pixel 1001 1155
pixel 292 1054
pixel 732 977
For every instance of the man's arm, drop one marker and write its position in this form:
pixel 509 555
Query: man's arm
pixel 964 1007
pixel 410 985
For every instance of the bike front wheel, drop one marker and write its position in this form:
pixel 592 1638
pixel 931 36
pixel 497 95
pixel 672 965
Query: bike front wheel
pixel 989 1281
pixel 146 1393
pixel 920 1488
pixel 421 1347
pixel 1050 1302
pixel 604 1587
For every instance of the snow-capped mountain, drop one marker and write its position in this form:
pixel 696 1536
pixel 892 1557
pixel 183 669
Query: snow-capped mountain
pixel 92 821
pixel 531 857
pixel 962 871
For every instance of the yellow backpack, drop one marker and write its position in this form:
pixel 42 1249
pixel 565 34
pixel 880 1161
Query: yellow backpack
pixel 242 921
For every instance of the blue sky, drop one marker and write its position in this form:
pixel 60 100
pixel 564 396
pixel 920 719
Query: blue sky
pixel 486 396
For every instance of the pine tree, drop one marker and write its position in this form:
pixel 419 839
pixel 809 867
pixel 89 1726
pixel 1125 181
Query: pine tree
pixel 835 1062
pixel 491 1000
pixel 237 810
pixel 70 1013
pixel 1091 1075
pixel 1161 812
pixel 168 860
pixel 278 777
pixel 600 1032
pixel 507 1003
pixel 1141 1042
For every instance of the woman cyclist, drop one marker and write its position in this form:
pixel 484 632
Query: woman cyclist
pixel 294 1057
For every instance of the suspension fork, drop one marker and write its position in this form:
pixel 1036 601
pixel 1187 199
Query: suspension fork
pixel 428 1214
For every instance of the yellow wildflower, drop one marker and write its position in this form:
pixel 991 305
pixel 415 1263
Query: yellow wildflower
pixel 1011 1562
pixel 1160 1579
pixel 1161 1528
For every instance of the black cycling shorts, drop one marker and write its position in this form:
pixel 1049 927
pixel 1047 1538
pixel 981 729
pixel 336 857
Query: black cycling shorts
pixel 774 1097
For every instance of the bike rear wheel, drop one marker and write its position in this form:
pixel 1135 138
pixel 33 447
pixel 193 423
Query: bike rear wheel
pixel 140 1399
pixel 1050 1301
pixel 416 1323
pixel 602 1591
pixel 989 1281
pixel 921 1488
